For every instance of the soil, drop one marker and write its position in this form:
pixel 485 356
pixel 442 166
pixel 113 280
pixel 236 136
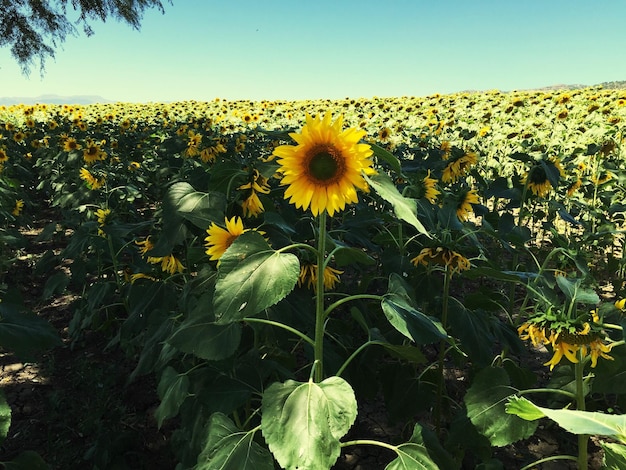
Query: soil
pixel 75 407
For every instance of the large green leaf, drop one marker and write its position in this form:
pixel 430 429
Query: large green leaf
pixel 5 417
pixel 386 156
pixel 303 422
pixel 197 207
pixel 413 324
pixel 229 448
pixel 423 451
pixel 573 291
pixel 614 456
pixel 206 339
pixel 23 332
pixel 574 421
pixel 486 401
pixel 172 389
pixel 405 208
pixel 252 277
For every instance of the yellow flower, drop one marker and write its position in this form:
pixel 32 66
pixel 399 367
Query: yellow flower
pixel 134 277
pixel 599 349
pixel 325 168
pixel 146 245
pixel 19 204
pixel 534 332
pixel 3 156
pixel 441 256
pixel 537 181
pixel 101 215
pixel 252 205
pixel 620 304
pixel 572 188
pixel 561 348
pixel 429 189
pixel 464 204
pixel 93 183
pixel 134 166
pixel 93 152
pixel 219 239
pixel 70 144
pixel 458 167
pixel 308 275
pixel 170 264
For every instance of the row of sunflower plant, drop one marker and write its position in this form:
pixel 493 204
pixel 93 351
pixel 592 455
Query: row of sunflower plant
pixel 273 265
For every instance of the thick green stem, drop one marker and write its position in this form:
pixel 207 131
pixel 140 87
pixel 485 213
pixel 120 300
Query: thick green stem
pixel 319 299
pixel 442 348
pixel 580 405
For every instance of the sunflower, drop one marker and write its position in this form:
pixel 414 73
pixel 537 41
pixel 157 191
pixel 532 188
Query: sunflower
pixel 171 264
pixel 93 152
pixel 427 189
pixel 3 156
pixel 308 276
pixel 70 144
pixel 325 168
pixel 17 210
pixel 458 167
pixel 537 181
pixel 442 256
pixel 252 205
pixel 464 204
pixel 219 239
pixel 93 183
pixel 146 245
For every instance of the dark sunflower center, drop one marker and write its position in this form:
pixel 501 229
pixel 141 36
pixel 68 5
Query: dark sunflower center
pixel 325 163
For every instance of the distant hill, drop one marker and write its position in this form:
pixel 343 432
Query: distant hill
pixel 54 99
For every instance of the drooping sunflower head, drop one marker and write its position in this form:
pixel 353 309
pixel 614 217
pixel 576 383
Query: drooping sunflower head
pixel 326 166
pixel 465 199
pixel 537 181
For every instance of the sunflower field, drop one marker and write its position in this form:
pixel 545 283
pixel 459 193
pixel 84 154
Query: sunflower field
pixel 458 260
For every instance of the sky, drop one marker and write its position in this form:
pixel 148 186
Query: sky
pixel 298 49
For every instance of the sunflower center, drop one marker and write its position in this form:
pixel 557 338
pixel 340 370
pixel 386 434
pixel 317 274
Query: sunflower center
pixel 538 175
pixel 326 163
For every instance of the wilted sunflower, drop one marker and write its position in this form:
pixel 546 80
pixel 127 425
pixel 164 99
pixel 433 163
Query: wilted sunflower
pixel 442 256
pixel 308 276
pixel 464 204
pixel 251 204
pixel 325 168
pixel 586 340
pixel 537 181
pixel 219 239
pixel 17 210
pixel 427 189
pixel 458 167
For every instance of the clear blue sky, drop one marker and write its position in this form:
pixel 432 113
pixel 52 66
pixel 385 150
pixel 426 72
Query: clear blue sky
pixel 298 49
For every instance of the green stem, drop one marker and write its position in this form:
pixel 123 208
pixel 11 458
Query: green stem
pixel 334 305
pixel 369 442
pixel 548 459
pixel 319 299
pixel 442 348
pixel 281 325
pixel 580 405
pixel 558 391
pixel 356 353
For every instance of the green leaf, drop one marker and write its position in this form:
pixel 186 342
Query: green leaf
pixel 387 157
pixel 229 448
pixel 5 417
pixel 423 451
pixel 23 332
pixel 486 401
pixel 206 339
pixel 574 421
pixel 303 422
pixel 405 208
pixel 252 277
pixel 572 290
pixel 27 460
pixel 197 207
pixel 55 284
pixel 614 456
pixel 172 389
pixel 416 326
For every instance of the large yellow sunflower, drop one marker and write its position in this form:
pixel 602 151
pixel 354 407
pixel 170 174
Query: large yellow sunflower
pixel 325 168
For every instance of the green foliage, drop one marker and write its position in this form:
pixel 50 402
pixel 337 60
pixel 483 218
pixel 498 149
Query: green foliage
pixel 486 400
pixel 242 287
pixel 303 422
